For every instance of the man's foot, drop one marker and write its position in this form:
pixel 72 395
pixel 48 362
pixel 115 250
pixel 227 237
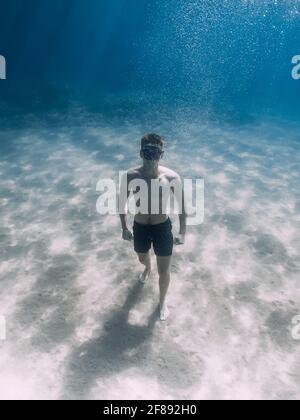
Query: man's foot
pixel 144 277
pixel 164 313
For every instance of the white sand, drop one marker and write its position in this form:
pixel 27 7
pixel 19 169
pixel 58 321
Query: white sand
pixel 78 323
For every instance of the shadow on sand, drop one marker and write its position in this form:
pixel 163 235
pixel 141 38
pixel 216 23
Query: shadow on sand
pixel 118 346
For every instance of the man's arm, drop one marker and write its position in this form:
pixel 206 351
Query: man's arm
pixel 183 216
pixel 180 240
pixel 123 199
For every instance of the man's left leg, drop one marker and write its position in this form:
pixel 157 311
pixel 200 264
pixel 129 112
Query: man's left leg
pixel 164 271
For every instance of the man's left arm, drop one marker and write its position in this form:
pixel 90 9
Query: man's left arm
pixel 180 239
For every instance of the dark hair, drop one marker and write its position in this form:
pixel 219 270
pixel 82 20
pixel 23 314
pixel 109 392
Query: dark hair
pixel 152 139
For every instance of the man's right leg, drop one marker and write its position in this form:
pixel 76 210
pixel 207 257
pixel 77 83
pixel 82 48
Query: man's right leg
pixel 145 259
pixel 142 246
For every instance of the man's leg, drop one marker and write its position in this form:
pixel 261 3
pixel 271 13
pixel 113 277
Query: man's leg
pixel 145 259
pixel 164 271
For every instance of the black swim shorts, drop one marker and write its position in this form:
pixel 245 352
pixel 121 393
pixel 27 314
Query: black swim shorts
pixel 160 235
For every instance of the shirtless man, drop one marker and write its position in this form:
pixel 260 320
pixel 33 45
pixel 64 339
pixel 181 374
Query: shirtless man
pixel 155 228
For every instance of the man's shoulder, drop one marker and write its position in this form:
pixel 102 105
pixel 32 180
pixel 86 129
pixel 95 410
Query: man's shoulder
pixel 133 172
pixel 169 173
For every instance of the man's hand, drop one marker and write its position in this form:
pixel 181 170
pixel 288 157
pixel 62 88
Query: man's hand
pixel 127 235
pixel 179 240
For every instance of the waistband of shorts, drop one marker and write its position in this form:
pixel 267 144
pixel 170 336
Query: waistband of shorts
pixel 154 226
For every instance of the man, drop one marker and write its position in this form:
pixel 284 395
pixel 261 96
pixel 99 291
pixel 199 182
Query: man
pixel 154 227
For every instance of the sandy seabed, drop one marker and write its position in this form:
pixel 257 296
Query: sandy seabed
pixel 78 323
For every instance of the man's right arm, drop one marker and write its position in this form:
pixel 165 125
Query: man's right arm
pixel 123 199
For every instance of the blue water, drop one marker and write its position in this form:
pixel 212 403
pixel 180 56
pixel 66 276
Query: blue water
pixel 229 58
pixel 85 80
